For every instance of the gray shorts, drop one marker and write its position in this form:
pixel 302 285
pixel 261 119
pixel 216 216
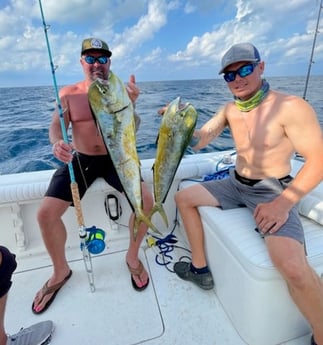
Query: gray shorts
pixel 234 192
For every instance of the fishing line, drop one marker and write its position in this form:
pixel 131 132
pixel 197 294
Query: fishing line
pixel 74 187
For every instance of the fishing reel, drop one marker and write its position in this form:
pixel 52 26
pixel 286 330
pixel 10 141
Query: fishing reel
pixel 94 240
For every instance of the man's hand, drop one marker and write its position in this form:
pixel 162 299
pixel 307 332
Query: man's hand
pixel 63 151
pixel 270 216
pixel 132 89
pixel 162 110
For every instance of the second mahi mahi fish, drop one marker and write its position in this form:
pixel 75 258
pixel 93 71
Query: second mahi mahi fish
pixel 175 132
pixel 114 113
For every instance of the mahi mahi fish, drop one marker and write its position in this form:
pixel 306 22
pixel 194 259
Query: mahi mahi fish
pixel 175 132
pixel 114 114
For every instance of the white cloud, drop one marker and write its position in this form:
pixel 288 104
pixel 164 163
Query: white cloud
pixel 98 12
pixel 132 38
pixel 155 37
pixel 250 23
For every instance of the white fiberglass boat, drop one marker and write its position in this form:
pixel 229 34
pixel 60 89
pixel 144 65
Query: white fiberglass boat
pixel 250 303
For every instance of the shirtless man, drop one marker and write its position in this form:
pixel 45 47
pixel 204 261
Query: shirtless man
pixel 90 161
pixel 268 127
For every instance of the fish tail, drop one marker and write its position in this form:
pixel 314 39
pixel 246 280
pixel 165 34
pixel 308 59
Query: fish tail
pixel 144 219
pixel 160 209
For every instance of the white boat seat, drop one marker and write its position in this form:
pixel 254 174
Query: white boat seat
pixel 251 290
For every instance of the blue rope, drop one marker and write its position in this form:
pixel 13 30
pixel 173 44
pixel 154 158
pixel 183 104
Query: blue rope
pixel 167 244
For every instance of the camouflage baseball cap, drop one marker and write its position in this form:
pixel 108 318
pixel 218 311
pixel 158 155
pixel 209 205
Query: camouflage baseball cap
pixel 95 44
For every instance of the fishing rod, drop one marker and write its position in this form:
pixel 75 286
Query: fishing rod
pixel 312 52
pixel 74 187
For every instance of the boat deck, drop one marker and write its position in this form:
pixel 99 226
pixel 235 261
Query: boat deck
pixel 169 311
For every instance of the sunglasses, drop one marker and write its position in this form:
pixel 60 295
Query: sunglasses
pixel 92 60
pixel 243 71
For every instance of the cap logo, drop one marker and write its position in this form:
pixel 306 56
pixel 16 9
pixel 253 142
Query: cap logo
pixel 95 43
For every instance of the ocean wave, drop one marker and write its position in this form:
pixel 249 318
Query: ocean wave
pixel 26 114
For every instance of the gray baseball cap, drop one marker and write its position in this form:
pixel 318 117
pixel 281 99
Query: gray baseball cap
pixel 240 52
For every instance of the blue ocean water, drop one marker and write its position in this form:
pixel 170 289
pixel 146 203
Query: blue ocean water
pixel 25 114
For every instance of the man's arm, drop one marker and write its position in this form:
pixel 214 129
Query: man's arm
pixel 303 130
pixel 61 150
pixel 210 130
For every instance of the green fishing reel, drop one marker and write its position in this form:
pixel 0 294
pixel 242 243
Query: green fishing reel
pixel 94 240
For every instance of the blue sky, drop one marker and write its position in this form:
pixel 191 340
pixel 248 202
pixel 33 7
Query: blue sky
pixel 155 39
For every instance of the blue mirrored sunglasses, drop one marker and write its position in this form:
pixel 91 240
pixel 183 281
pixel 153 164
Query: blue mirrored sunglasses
pixel 243 71
pixel 91 59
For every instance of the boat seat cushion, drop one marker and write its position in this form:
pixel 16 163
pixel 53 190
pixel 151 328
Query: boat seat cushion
pixel 311 206
pixel 246 281
pixel 236 228
pixel 248 246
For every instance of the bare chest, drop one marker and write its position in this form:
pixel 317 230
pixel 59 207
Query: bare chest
pixel 79 109
pixel 256 130
pixel 85 131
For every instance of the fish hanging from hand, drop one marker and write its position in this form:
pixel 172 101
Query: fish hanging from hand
pixel 175 132
pixel 114 113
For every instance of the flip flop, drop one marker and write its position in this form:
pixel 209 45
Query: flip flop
pixel 137 272
pixel 47 290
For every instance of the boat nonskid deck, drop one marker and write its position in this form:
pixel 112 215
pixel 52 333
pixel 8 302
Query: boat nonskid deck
pixel 170 310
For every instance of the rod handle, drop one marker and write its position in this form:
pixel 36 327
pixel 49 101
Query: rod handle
pixel 77 203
